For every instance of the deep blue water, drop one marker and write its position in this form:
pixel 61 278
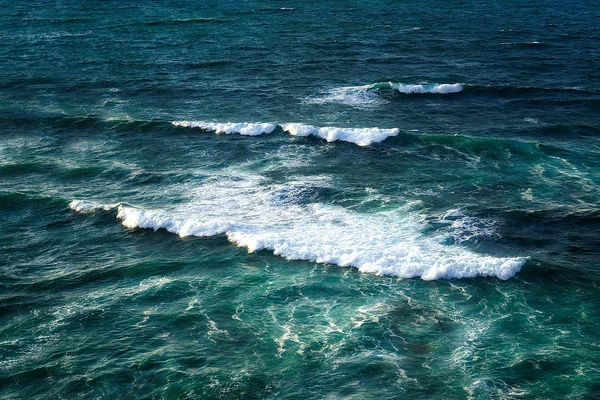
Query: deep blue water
pixel 318 199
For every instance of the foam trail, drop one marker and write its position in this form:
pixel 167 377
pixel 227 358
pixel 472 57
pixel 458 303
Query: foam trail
pixel 360 136
pixel 242 128
pixel 251 215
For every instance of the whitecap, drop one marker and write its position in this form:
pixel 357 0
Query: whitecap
pixel 444 88
pixel 242 128
pixel 83 206
pixel 359 136
pixel 366 96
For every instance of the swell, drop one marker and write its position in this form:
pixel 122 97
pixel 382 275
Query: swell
pixel 11 201
pixel 562 240
pixel 363 136
pixel 511 90
pixel 381 93
pixel 17 169
pixel 448 88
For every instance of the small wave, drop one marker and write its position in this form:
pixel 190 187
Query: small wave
pixel 242 128
pixel 523 44
pixel 209 64
pixel 359 136
pixel 85 207
pixel 276 9
pixel 182 21
pixel 367 96
pixel 383 243
pixel 356 96
pixel 380 93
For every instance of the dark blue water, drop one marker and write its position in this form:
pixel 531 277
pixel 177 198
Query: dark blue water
pixel 385 199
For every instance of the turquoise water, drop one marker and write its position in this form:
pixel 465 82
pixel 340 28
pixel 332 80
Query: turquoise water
pixel 300 200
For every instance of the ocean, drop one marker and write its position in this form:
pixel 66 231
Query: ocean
pixel 300 199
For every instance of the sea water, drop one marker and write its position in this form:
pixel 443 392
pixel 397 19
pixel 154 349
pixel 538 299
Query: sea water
pixel 317 199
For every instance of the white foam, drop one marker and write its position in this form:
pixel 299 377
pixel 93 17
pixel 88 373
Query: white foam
pixel 246 210
pixel 83 206
pixel 360 136
pixel 445 88
pixel 242 128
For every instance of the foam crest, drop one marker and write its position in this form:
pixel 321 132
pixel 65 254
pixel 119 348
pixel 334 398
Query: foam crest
pixel 444 88
pixel 242 128
pixel 360 136
pixel 246 210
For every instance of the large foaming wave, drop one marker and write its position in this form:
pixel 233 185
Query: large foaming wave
pixel 359 136
pixel 254 216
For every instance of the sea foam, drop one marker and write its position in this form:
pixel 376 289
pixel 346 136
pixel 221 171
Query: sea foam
pixel 249 212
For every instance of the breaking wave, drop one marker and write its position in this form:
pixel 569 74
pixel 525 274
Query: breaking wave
pixel 444 88
pixel 242 128
pixel 359 136
pixel 252 215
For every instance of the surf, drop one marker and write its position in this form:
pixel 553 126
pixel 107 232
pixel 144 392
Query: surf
pixel 251 214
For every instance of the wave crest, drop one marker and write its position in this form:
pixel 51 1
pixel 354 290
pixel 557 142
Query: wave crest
pixel 360 136
pixel 84 207
pixel 445 88
pixel 242 128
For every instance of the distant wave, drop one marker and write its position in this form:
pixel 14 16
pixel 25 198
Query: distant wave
pixel 445 88
pixel 380 93
pixel 367 96
pixel 183 21
pixel 384 243
pixel 359 136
